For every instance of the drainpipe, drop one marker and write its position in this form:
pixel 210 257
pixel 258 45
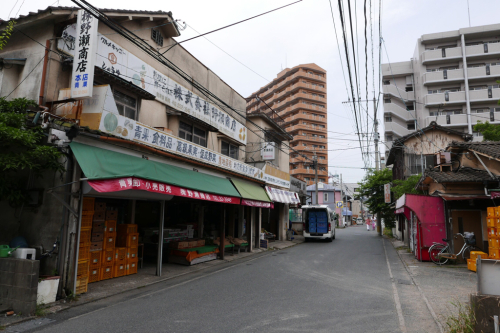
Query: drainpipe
pixel 44 72
pixel 464 59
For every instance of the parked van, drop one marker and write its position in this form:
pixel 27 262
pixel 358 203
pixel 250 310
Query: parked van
pixel 318 221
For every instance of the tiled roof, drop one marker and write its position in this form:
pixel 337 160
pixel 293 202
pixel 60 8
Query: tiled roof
pixel 489 148
pixel 464 174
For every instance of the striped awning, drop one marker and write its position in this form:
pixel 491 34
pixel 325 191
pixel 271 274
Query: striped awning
pixel 282 196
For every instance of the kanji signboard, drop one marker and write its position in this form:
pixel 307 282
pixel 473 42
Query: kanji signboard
pixel 387 193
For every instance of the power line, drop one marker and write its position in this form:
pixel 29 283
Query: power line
pixel 26 76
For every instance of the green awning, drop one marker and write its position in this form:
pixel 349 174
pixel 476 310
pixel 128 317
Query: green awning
pixel 100 164
pixel 250 191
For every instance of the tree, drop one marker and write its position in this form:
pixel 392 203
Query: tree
pixel 372 188
pixel 22 149
pixel 5 35
pixel 400 187
pixel 490 132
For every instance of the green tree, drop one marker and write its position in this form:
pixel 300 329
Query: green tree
pixel 400 187
pixel 372 188
pixel 5 35
pixel 490 132
pixel 22 149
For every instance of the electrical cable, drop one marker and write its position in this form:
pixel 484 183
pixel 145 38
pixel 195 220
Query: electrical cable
pixel 26 77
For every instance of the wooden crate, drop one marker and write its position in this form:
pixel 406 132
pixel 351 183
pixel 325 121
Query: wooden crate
pixel 106 272
pixel 94 274
pixel 118 269
pixel 83 267
pixel 110 226
pixel 126 228
pixel 81 284
pixel 84 252
pixel 108 257
pixel 88 204
pixel 127 240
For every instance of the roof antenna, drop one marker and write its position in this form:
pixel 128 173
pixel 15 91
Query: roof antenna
pixel 468 11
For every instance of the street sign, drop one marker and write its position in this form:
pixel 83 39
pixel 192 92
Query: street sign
pixel 340 204
pixel 387 193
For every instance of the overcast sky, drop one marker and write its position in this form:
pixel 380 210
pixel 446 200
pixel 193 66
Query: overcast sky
pixel 302 33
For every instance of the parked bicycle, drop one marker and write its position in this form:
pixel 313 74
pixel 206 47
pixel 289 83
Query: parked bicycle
pixel 441 253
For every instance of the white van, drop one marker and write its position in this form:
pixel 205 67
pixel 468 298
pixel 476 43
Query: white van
pixel 318 221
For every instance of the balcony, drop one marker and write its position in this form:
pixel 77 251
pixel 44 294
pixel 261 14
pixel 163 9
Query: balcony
pixel 460 120
pixel 454 98
pixel 308 171
pixel 310 97
pixel 301 116
pixel 300 106
pixel 479 50
pixel 309 138
pixel 308 127
pixel 399 111
pixel 454 75
pixel 399 93
pixel 436 56
pixel 477 96
pixel 396 129
pixel 479 73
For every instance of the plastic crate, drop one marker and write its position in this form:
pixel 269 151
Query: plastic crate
pixel 84 252
pixel 132 266
pixel 108 257
pixel 88 204
pixel 491 233
pixel 81 284
pixel 110 226
pixel 132 253
pixel 85 235
pixel 94 274
pixel 471 264
pixel 497 223
pixel 127 240
pixel 491 222
pixel 83 268
pixel 491 211
pixel 106 272
pixel 126 228
pixel 95 259
pixel 119 270
pixel 497 211
pixel 87 220
pixel 109 242
pixel 494 253
pixel 474 254
pixel 100 206
pixel 120 254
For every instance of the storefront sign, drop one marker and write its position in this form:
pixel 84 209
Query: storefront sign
pixel 132 183
pixel 114 59
pixel 130 129
pixel 82 77
pixel 276 177
pixel 254 203
pixel 387 193
pixel 283 196
pixel 268 151
pixel 297 185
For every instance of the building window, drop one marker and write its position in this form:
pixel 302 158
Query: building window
pixel 192 134
pixel 387 82
pixel 388 119
pixel 410 107
pixel 388 138
pixel 478 88
pixel 407 89
pixel 325 197
pixel 229 150
pixel 322 180
pixel 411 127
pixel 126 105
pixel 387 100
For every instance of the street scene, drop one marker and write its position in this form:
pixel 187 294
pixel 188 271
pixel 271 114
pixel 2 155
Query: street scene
pixel 192 166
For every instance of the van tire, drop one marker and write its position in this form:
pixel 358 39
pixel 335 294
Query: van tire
pixel 333 236
pixel 329 240
pixel 306 239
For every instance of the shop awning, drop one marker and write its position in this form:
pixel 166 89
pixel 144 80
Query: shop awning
pixel 109 171
pixel 252 195
pixel 346 212
pixel 282 196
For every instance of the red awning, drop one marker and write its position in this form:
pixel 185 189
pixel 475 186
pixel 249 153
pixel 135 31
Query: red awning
pixel 132 183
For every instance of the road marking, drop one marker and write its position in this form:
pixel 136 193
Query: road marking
pixel 395 292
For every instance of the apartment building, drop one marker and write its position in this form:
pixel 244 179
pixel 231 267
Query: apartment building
pixel 296 100
pixel 451 80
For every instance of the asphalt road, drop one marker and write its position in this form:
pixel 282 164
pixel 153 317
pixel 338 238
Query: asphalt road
pixel 343 286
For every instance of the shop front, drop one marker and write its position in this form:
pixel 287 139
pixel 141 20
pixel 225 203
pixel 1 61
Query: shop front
pixel 277 220
pixel 426 217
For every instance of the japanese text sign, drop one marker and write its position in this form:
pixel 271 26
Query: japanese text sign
pixel 387 193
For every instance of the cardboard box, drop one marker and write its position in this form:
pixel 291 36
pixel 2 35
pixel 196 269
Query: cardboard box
pixel 99 216
pixel 111 215
pixel 179 245
pixel 97 237
pixel 100 206
pixel 96 246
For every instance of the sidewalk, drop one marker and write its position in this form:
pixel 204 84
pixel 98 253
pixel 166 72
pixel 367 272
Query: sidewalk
pixel 146 276
pixel 441 286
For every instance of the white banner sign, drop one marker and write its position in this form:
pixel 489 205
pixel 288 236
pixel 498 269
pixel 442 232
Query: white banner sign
pixel 276 181
pixel 268 152
pixel 82 77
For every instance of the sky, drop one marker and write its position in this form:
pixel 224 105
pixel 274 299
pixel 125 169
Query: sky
pixel 304 33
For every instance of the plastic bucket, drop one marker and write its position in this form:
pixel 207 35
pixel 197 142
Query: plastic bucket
pixel 5 251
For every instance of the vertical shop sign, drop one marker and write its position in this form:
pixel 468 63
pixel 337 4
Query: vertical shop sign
pixel 82 78
pixel 387 193
pixel 268 151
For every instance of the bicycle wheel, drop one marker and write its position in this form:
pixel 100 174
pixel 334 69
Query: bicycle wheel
pixel 467 250
pixel 434 252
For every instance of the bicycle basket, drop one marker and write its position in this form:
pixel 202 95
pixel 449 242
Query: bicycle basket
pixel 470 239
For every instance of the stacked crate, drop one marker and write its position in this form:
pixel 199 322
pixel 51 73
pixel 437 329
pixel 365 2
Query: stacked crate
pixel 128 237
pixel 493 227
pixel 84 246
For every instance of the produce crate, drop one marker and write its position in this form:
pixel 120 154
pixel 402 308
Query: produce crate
pixel 95 259
pixel 88 204
pixel 494 253
pixel 84 252
pixel 94 274
pixel 97 236
pixel 497 223
pixel 491 233
pixel 497 211
pixel 99 216
pixel 491 222
pixel 100 206
pixel 109 241
pixel 127 240
pixel 120 254
pixel 111 215
pixel 81 284
pixel 95 246
pixel 87 220
pixel 83 267
pixel 110 226
pixel 108 257
pixel 126 228
pixel 491 211
pixel 132 253
pixel 131 267
pixel 471 265
pixel 119 270
pixel 201 242
pixel 474 254
pixel 106 272
pixel 85 235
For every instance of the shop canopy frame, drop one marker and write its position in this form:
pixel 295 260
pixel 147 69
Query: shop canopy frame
pixel 282 196
pixel 252 195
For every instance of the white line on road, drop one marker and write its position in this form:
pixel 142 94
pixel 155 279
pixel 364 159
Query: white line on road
pixel 395 292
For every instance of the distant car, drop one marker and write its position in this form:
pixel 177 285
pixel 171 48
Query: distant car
pixel 318 222
pixel 359 220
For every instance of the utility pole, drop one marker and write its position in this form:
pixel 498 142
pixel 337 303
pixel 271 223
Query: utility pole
pixel 341 198
pixel 375 124
pixel 315 164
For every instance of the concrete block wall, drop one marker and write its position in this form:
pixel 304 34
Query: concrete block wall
pixel 18 285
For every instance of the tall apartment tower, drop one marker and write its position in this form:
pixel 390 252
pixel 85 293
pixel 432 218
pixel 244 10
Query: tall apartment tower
pixel 296 100
pixel 451 79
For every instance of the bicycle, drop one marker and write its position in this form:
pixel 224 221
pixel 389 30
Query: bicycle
pixel 441 253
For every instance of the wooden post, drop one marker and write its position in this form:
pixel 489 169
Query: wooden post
pixel 222 231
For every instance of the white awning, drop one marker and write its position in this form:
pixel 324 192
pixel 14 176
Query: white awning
pixel 282 196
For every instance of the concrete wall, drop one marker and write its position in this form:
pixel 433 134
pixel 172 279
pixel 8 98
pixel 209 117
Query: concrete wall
pixel 18 285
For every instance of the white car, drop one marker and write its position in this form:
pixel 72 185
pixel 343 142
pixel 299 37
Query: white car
pixel 318 222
